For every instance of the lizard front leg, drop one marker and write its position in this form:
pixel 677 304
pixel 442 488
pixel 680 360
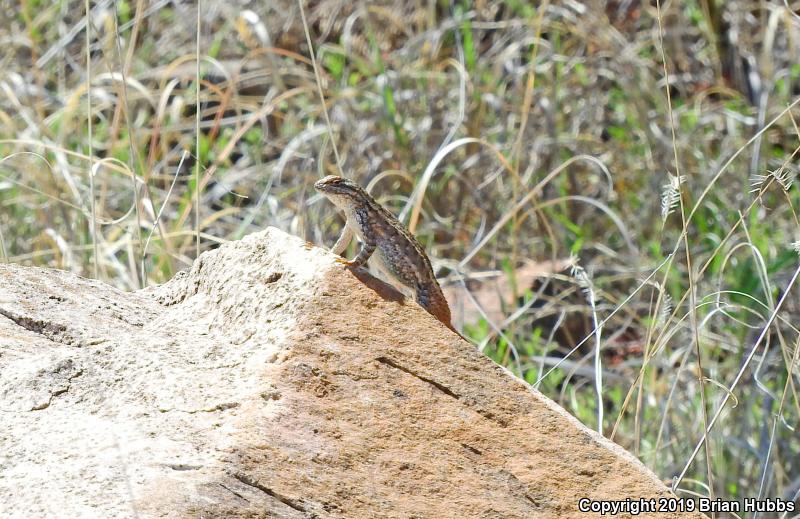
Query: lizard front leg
pixel 341 244
pixel 343 241
pixel 367 248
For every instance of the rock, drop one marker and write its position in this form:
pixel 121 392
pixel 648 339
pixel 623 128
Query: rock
pixel 269 381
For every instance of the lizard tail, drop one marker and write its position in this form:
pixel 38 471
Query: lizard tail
pixel 430 297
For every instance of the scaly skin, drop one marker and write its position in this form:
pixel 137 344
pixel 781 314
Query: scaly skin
pixel 395 251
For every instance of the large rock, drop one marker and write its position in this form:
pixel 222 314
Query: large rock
pixel 269 381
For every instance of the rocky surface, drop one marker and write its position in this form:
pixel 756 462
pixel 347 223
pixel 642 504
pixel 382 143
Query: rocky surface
pixel 269 381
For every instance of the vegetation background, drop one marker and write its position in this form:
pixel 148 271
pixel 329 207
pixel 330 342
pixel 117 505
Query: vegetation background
pixel 650 146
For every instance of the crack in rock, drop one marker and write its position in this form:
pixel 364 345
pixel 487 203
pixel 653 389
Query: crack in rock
pixel 218 407
pixel 53 331
pixel 444 389
pixel 389 362
pixel 237 494
pixel 58 392
pixel 183 466
pixel 250 482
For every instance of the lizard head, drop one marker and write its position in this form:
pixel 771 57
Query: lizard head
pixel 333 184
pixel 338 189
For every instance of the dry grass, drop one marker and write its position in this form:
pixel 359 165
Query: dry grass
pixel 631 136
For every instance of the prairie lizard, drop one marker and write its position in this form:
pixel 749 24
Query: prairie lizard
pixel 399 256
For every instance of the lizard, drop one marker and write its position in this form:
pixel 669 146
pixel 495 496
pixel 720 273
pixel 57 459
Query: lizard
pixel 395 252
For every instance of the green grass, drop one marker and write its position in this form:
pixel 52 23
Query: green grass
pixel 392 81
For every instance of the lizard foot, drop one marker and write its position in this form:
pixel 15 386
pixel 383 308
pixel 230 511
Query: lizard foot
pixel 345 262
